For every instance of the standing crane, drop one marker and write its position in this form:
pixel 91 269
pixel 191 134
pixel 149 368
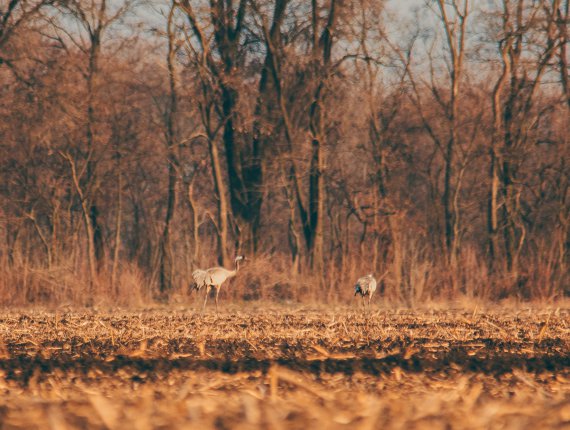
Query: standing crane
pixel 365 286
pixel 214 277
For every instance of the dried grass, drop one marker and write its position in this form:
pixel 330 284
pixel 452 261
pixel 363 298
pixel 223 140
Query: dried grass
pixel 285 368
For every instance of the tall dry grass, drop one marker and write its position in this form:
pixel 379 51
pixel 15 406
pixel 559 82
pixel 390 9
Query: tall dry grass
pixel 412 276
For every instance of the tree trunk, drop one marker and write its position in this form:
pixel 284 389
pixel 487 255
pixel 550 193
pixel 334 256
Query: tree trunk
pixel 195 222
pixel 91 256
pixel 563 17
pixel 243 162
pixel 322 48
pixel 263 112
pixel 314 229
pixel 221 193
pixel 447 201
pixel 165 246
pixel 456 47
pixel 118 223
pixel 494 167
pixel 94 51
pixel 492 208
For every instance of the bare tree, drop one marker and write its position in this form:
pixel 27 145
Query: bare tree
pixel 313 134
pixel 165 249
pixel 14 16
pixel 94 19
pixel 524 67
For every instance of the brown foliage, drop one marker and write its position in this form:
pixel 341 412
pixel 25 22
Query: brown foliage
pixel 299 133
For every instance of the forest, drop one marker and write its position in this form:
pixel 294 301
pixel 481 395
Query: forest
pixel 425 142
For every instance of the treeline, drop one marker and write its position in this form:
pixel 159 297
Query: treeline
pixel 323 139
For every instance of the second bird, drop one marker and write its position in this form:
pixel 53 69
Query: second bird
pixel 365 286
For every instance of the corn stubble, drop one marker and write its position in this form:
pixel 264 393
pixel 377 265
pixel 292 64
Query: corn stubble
pixel 285 368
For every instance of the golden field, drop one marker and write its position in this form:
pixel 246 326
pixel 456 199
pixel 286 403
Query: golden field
pixel 252 367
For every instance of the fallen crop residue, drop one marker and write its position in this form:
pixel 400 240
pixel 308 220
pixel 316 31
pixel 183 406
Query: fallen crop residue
pixel 279 368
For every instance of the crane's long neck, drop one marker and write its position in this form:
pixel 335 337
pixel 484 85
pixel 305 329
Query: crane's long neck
pixel 234 272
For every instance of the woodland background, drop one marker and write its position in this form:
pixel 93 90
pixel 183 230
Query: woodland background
pixel 324 139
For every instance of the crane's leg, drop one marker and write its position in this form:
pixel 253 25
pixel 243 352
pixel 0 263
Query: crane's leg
pixel 217 293
pixel 206 299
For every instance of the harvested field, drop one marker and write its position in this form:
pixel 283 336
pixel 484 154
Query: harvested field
pixel 285 368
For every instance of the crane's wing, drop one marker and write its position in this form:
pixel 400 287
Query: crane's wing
pixel 360 286
pixel 365 285
pixel 362 281
pixel 199 277
pixel 372 284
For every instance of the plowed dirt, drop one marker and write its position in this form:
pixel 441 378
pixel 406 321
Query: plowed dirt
pixel 285 368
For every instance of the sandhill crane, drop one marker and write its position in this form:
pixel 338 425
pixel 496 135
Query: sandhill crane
pixel 365 286
pixel 199 277
pixel 215 277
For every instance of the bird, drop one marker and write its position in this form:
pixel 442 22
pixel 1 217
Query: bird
pixel 214 277
pixel 199 277
pixel 365 286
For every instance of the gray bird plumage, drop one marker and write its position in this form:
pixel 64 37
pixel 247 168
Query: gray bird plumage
pixel 199 277
pixel 365 286
pixel 214 277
